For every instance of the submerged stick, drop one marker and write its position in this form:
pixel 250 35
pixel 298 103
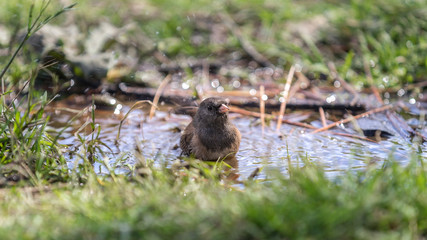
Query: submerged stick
pixel 349 119
pixel 158 93
pixel 322 116
pixel 285 96
pixel 262 107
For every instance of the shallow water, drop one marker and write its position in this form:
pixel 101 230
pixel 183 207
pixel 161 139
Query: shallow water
pixel 158 138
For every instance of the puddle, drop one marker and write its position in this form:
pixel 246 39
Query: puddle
pixel 159 139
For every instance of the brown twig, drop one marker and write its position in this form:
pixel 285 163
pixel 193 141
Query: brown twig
pixel 285 96
pixel 258 115
pixel 322 116
pixel 237 98
pixel 262 107
pixel 302 79
pixel 376 110
pixel 157 95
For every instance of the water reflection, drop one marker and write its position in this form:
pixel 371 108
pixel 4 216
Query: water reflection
pixel 158 140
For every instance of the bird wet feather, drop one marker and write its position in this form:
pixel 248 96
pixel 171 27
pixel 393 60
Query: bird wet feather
pixel 211 135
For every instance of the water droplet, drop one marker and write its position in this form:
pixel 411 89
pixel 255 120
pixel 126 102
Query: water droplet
pixel 331 99
pixel 118 108
pixel 386 79
pixel 412 101
pixel 337 84
pixel 269 71
pixel 258 72
pixel 215 83
pixel 185 85
pixel 252 92
pixel 401 92
pixel 113 101
pixel 264 97
pixel 236 84
pixel 252 77
pixel 220 89
pixel 387 95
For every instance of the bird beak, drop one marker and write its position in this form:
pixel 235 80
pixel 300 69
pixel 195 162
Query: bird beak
pixel 223 108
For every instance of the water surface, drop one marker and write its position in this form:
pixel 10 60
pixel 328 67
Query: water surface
pixel 159 139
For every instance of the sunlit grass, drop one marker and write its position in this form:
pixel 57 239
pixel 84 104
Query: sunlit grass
pixel 27 152
pixel 386 36
pixel 384 203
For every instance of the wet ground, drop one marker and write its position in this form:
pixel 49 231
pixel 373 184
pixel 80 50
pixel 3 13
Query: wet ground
pixel 159 137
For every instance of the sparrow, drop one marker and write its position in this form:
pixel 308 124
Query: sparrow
pixel 211 135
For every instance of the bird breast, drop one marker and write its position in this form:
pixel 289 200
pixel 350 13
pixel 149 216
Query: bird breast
pixel 216 143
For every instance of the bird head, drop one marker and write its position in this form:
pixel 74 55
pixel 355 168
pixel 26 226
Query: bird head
pixel 212 109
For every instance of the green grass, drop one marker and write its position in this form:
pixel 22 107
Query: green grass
pixel 385 203
pixel 27 151
pixel 387 36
